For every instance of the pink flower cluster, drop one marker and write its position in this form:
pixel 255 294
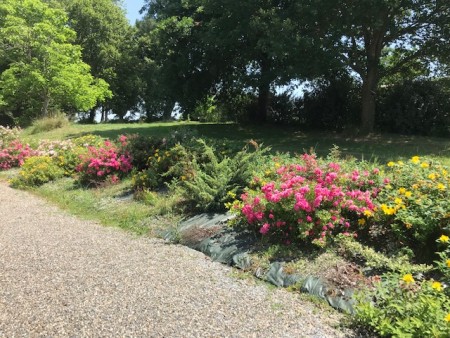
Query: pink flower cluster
pixel 104 163
pixel 14 155
pixel 311 201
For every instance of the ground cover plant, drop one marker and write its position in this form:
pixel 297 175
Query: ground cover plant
pixel 376 222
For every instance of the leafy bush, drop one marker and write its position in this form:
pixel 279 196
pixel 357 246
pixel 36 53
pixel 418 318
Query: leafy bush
pixel 415 206
pixel 106 163
pixel 163 165
pixel 309 201
pixel 49 123
pixel 7 135
pixel 400 306
pixel 443 263
pixel 211 179
pixel 36 171
pixel 374 261
pixel 14 155
pixel 415 107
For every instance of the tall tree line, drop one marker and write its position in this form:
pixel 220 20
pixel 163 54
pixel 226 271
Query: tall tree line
pixel 230 54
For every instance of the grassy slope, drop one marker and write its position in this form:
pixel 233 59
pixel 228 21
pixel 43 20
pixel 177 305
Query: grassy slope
pixel 382 147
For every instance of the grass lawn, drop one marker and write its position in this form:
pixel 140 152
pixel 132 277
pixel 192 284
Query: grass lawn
pixel 384 147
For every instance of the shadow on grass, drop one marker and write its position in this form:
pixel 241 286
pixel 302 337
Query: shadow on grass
pixel 294 140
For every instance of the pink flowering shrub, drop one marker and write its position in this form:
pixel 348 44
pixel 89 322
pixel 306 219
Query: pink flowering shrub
pixel 103 164
pixel 14 154
pixel 310 201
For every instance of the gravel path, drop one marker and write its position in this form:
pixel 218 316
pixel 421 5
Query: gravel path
pixel 61 276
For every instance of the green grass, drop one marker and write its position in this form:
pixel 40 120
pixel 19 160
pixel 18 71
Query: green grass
pixel 384 147
pixel 111 206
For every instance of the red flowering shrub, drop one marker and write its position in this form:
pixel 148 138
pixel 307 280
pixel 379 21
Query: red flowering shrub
pixel 309 201
pixel 14 154
pixel 106 163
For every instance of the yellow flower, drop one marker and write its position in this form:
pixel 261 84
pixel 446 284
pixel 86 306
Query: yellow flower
pixel 408 278
pixel 231 194
pixel 398 201
pixel 432 176
pixel 444 239
pixel 415 186
pixel 388 210
pixel 415 159
pixel 361 221
pixel 277 165
pixel 444 172
pixel 437 286
pixel 408 194
pixel 401 191
pixel 408 226
pixel 424 165
pixel 448 263
pixel 447 318
pixel 441 187
pixel 368 213
pixel 391 164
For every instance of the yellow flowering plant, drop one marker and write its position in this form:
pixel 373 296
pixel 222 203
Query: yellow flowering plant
pixel 414 205
pixel 443 263
pixel 36 171
pixel 400 306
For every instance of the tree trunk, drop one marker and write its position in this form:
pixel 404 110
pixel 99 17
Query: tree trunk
pixel 167 111
pixel 368 97
pixel 92 114
pixel 45 106
pixel 263 91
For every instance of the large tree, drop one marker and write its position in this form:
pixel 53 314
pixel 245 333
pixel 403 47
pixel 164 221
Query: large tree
pixel 44 69
pixel 381 38
pixel 251 45
pixel 107 39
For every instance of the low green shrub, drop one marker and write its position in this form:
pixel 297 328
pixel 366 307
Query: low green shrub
pixel 374 261
pixel 49 123
pixel 36 171
pixel 212 179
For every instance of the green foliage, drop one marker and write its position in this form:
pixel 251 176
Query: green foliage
pixel 109 48
pixel 414 205
pixel 44 71
pixel 36 171
pixel 418 107
pixel 399 306
pixel 45 124
pixel 207 110
pixel 214 179
pixel 379 39
pixel 375 261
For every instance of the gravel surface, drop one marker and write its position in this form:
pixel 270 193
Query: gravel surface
pixel 62 276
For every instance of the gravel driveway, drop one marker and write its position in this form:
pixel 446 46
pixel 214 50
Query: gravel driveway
pixel 62 276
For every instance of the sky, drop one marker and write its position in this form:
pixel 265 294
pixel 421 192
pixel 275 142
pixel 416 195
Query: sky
pixel 132 7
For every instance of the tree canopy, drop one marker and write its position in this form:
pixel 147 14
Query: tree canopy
pixel 43 70
pixel 223 58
